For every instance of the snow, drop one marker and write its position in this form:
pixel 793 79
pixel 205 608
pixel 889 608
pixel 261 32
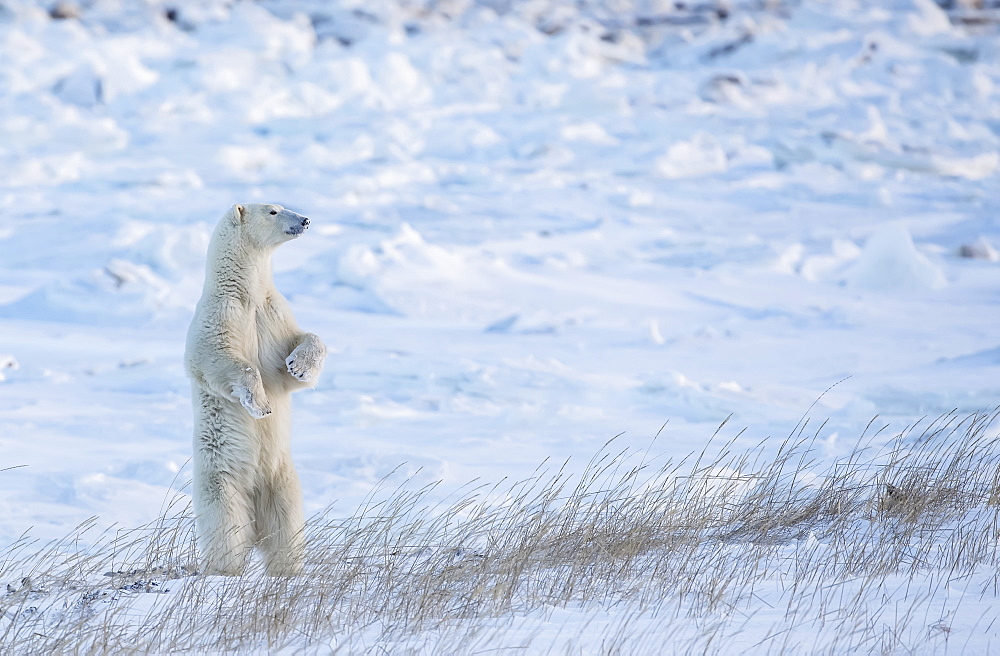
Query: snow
pixel 891 262
pixel 535 226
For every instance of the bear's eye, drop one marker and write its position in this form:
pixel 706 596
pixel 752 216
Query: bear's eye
pixel 273 212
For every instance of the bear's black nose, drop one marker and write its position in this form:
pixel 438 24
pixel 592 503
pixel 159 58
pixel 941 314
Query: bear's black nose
pixel 305 223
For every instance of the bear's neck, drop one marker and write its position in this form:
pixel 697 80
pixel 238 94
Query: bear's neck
pixel 237 269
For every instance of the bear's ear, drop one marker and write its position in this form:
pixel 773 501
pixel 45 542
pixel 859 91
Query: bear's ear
pixel 236 214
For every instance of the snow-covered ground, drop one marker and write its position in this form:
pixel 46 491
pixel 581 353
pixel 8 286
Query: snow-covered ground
pixel 535 226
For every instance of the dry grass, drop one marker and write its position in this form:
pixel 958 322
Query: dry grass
pixel 728 552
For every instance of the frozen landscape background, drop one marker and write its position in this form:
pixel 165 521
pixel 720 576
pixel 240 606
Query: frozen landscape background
pixel 535 226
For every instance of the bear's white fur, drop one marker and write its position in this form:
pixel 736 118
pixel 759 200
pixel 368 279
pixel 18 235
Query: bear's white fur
pixel 245 355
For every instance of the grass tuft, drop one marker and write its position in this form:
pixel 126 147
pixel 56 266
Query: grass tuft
pixel 715 553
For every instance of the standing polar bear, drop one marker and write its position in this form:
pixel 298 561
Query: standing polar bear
pixel 245 355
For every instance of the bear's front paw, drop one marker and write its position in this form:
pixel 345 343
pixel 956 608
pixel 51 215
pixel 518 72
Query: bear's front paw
pixel 306 361
pixel 256 404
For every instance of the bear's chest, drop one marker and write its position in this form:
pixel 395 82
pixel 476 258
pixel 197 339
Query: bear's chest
pixel 270 327
pixel 268 314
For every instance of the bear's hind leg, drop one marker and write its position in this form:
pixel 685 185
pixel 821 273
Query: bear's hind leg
pixel 223 456
pixel 225 527
pixel 280 524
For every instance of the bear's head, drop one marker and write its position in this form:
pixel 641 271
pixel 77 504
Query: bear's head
pixel 266 225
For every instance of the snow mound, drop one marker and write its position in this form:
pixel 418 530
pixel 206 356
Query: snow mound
pixel 149 271
pixel 702 155
pixel 121 290
pixel 361 265
pixel 891 262
pixel 394 274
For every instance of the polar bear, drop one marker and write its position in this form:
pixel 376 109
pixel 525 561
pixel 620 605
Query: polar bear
pixel 245 355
